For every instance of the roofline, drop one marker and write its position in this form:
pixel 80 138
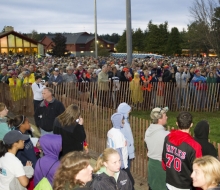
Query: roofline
pixel 21 36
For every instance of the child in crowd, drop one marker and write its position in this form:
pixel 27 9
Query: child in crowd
pixel 108 173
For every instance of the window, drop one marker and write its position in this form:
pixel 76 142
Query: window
pixel 11 50
pixel 26 43
pixel 11 41
pixel 19 50
pixel 4 42
pixel 4 50
pixel 19 42
pixel 33 45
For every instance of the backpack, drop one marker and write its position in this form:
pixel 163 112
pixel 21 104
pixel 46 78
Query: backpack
pixel 44 184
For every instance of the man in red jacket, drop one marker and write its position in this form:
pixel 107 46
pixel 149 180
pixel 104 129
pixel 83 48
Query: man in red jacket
pixel 179 152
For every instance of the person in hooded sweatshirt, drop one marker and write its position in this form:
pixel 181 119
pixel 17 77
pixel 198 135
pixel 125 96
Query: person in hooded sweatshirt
pixel 117 141
pixel 47 165
pixel 179 152
pixel 201 133
pixel 154 138
pixel 125 109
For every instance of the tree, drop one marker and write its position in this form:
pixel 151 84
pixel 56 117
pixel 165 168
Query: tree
pixel 206 13
pixel 112 38
pixel 34 35
pixel 59 47
pixel 174 41
pixel 138 40
pixel 121 46
pixel 196 40
pixel 157 37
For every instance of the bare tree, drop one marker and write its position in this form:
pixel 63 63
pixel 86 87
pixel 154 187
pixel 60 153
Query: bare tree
pixel 203 11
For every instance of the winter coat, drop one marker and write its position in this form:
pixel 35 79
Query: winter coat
pixel 45 114
pixel 102 182
pixel 73 136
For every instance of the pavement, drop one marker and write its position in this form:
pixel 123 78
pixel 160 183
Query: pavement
pixel 140 183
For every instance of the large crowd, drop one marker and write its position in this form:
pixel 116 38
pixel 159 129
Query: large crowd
pixel 192 77
pixel 60 159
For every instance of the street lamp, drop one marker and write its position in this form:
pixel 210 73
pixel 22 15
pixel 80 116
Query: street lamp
pixel 96 48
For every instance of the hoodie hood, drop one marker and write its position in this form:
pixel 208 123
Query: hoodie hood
pixel 201 130
pixel 51 144
pixel 116 119
pixel 124 109
pixel 176 137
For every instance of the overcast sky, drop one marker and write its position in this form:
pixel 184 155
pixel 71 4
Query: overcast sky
pixel 78 15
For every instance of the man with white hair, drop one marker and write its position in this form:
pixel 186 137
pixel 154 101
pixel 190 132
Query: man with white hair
pixel 69 76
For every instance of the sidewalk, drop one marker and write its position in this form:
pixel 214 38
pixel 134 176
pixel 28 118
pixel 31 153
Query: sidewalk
pixel 140 184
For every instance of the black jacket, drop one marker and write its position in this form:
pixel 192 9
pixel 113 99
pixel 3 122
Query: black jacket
pixel 103 182
pixel 167 76
pixel 45 115
pixel 201 133
pixel 72 136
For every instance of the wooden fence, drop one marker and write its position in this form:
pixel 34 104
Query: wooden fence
pixel 97 116
pixel 203 97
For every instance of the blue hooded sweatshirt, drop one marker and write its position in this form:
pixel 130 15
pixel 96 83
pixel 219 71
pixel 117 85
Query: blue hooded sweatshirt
pixel 124 109
pixel 51 145
pixel 116 139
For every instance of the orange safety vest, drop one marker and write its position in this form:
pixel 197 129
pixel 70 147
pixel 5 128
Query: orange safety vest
pixel 149 85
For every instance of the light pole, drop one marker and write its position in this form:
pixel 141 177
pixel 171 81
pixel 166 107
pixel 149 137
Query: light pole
pixel 96 48
pixel 128 32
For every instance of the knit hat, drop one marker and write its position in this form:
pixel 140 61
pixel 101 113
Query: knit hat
pixel 157 112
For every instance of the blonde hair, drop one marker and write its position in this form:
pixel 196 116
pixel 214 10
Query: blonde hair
pixel 70 165
pixel 2 106
pixel 69 116
pixel 104 158
pixel 210 166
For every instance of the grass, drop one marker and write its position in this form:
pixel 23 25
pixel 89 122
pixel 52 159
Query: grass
pixel 212 117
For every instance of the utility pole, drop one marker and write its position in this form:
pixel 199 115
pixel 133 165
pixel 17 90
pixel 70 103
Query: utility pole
pixel 128 32
pixel 96 48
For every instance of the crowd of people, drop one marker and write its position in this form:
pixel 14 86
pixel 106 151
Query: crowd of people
pixel 193 76
pixel 60 158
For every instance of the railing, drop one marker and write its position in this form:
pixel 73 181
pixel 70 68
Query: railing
pixel 203 97
pixel 97 115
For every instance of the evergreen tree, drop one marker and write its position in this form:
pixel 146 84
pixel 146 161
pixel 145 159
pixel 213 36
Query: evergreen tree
pixel 121 46
pixel 59 49
pixel 174 41
pixel 163 37
pixel 152 45
pixel 138 41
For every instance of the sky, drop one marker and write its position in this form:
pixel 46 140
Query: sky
pixel 78 15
